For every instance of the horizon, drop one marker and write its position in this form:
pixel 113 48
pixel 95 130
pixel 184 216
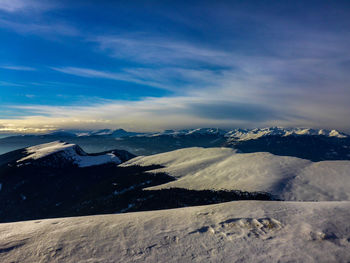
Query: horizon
pixel 155 65
pixel 76 131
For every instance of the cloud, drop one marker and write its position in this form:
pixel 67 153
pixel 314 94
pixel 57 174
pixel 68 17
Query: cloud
pixel 121 76
pixel 152 114
pixel 10 84
pixel 157 50
pixel 28 17
pixel 26 5
pixel 241 91
pixel 237 111
pixel 285 73
pixel 13 128
pixel 43 28
pixel 19 68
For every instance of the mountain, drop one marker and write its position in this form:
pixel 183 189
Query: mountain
pixel 61 154
pixel 49 181
pixel 107 132
pixel 122 133
pixel 252 134
pixel 190 132
pixel 311 144
pixel 59 179
pixel 138 144
pixel 311 147
pixel 285 178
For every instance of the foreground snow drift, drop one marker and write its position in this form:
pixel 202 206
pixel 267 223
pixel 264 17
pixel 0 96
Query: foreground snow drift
pixel 69 152
pixel 247 231
pixel 288 178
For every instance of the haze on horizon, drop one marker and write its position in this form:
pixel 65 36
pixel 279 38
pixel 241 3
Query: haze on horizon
pixel 153 65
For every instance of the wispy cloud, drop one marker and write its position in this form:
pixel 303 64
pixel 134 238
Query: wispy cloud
pixel 26 5
pixel 157 50
pixel 10 84
pixel 122 76
pixel 41 29
pixel 28 17
pixel 18 68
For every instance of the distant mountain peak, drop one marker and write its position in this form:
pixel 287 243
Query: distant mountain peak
pixel 198 131
pixel 102 132
pixel 250 134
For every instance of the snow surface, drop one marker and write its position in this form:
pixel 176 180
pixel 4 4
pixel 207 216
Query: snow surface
pixel 242 231
pixel 70 152
pixel 287 178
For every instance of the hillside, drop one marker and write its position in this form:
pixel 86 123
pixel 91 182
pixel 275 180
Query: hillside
pixel 59 179
pixel 287 178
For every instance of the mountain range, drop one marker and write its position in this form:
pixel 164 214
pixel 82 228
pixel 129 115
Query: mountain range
pixel 59 179
pixel 234 134
pixel 312 144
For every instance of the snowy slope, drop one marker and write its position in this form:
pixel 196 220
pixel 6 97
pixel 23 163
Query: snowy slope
pixel 69 152
pixel 244 231
pixel 288 178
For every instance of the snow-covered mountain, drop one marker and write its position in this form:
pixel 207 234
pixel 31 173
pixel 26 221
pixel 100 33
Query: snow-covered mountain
pixel 239 231
pixel 59 179
pixel 190 132
pixel 61 153
pixel 312 144
pixel 287 178
pixel 105 132
pixel 252 134
pixel 233 134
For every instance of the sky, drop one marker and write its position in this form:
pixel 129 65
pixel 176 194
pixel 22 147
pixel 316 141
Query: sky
pixel 154 65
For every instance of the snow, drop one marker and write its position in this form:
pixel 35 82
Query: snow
pixel 239 231
pixel 43 150
pixel 231 135
pixel 198 131
pixel 242 231
pixel 70 152
pixel 287 178
pixel 85 161
pixel 252 134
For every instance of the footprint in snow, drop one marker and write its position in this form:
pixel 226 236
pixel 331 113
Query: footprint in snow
pixel 237 228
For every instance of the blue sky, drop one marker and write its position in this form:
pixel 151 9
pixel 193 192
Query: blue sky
pixel 152 65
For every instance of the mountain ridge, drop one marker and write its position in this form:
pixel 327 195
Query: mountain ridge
pixel 59 154
pixel 312 144
pixel 237 133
